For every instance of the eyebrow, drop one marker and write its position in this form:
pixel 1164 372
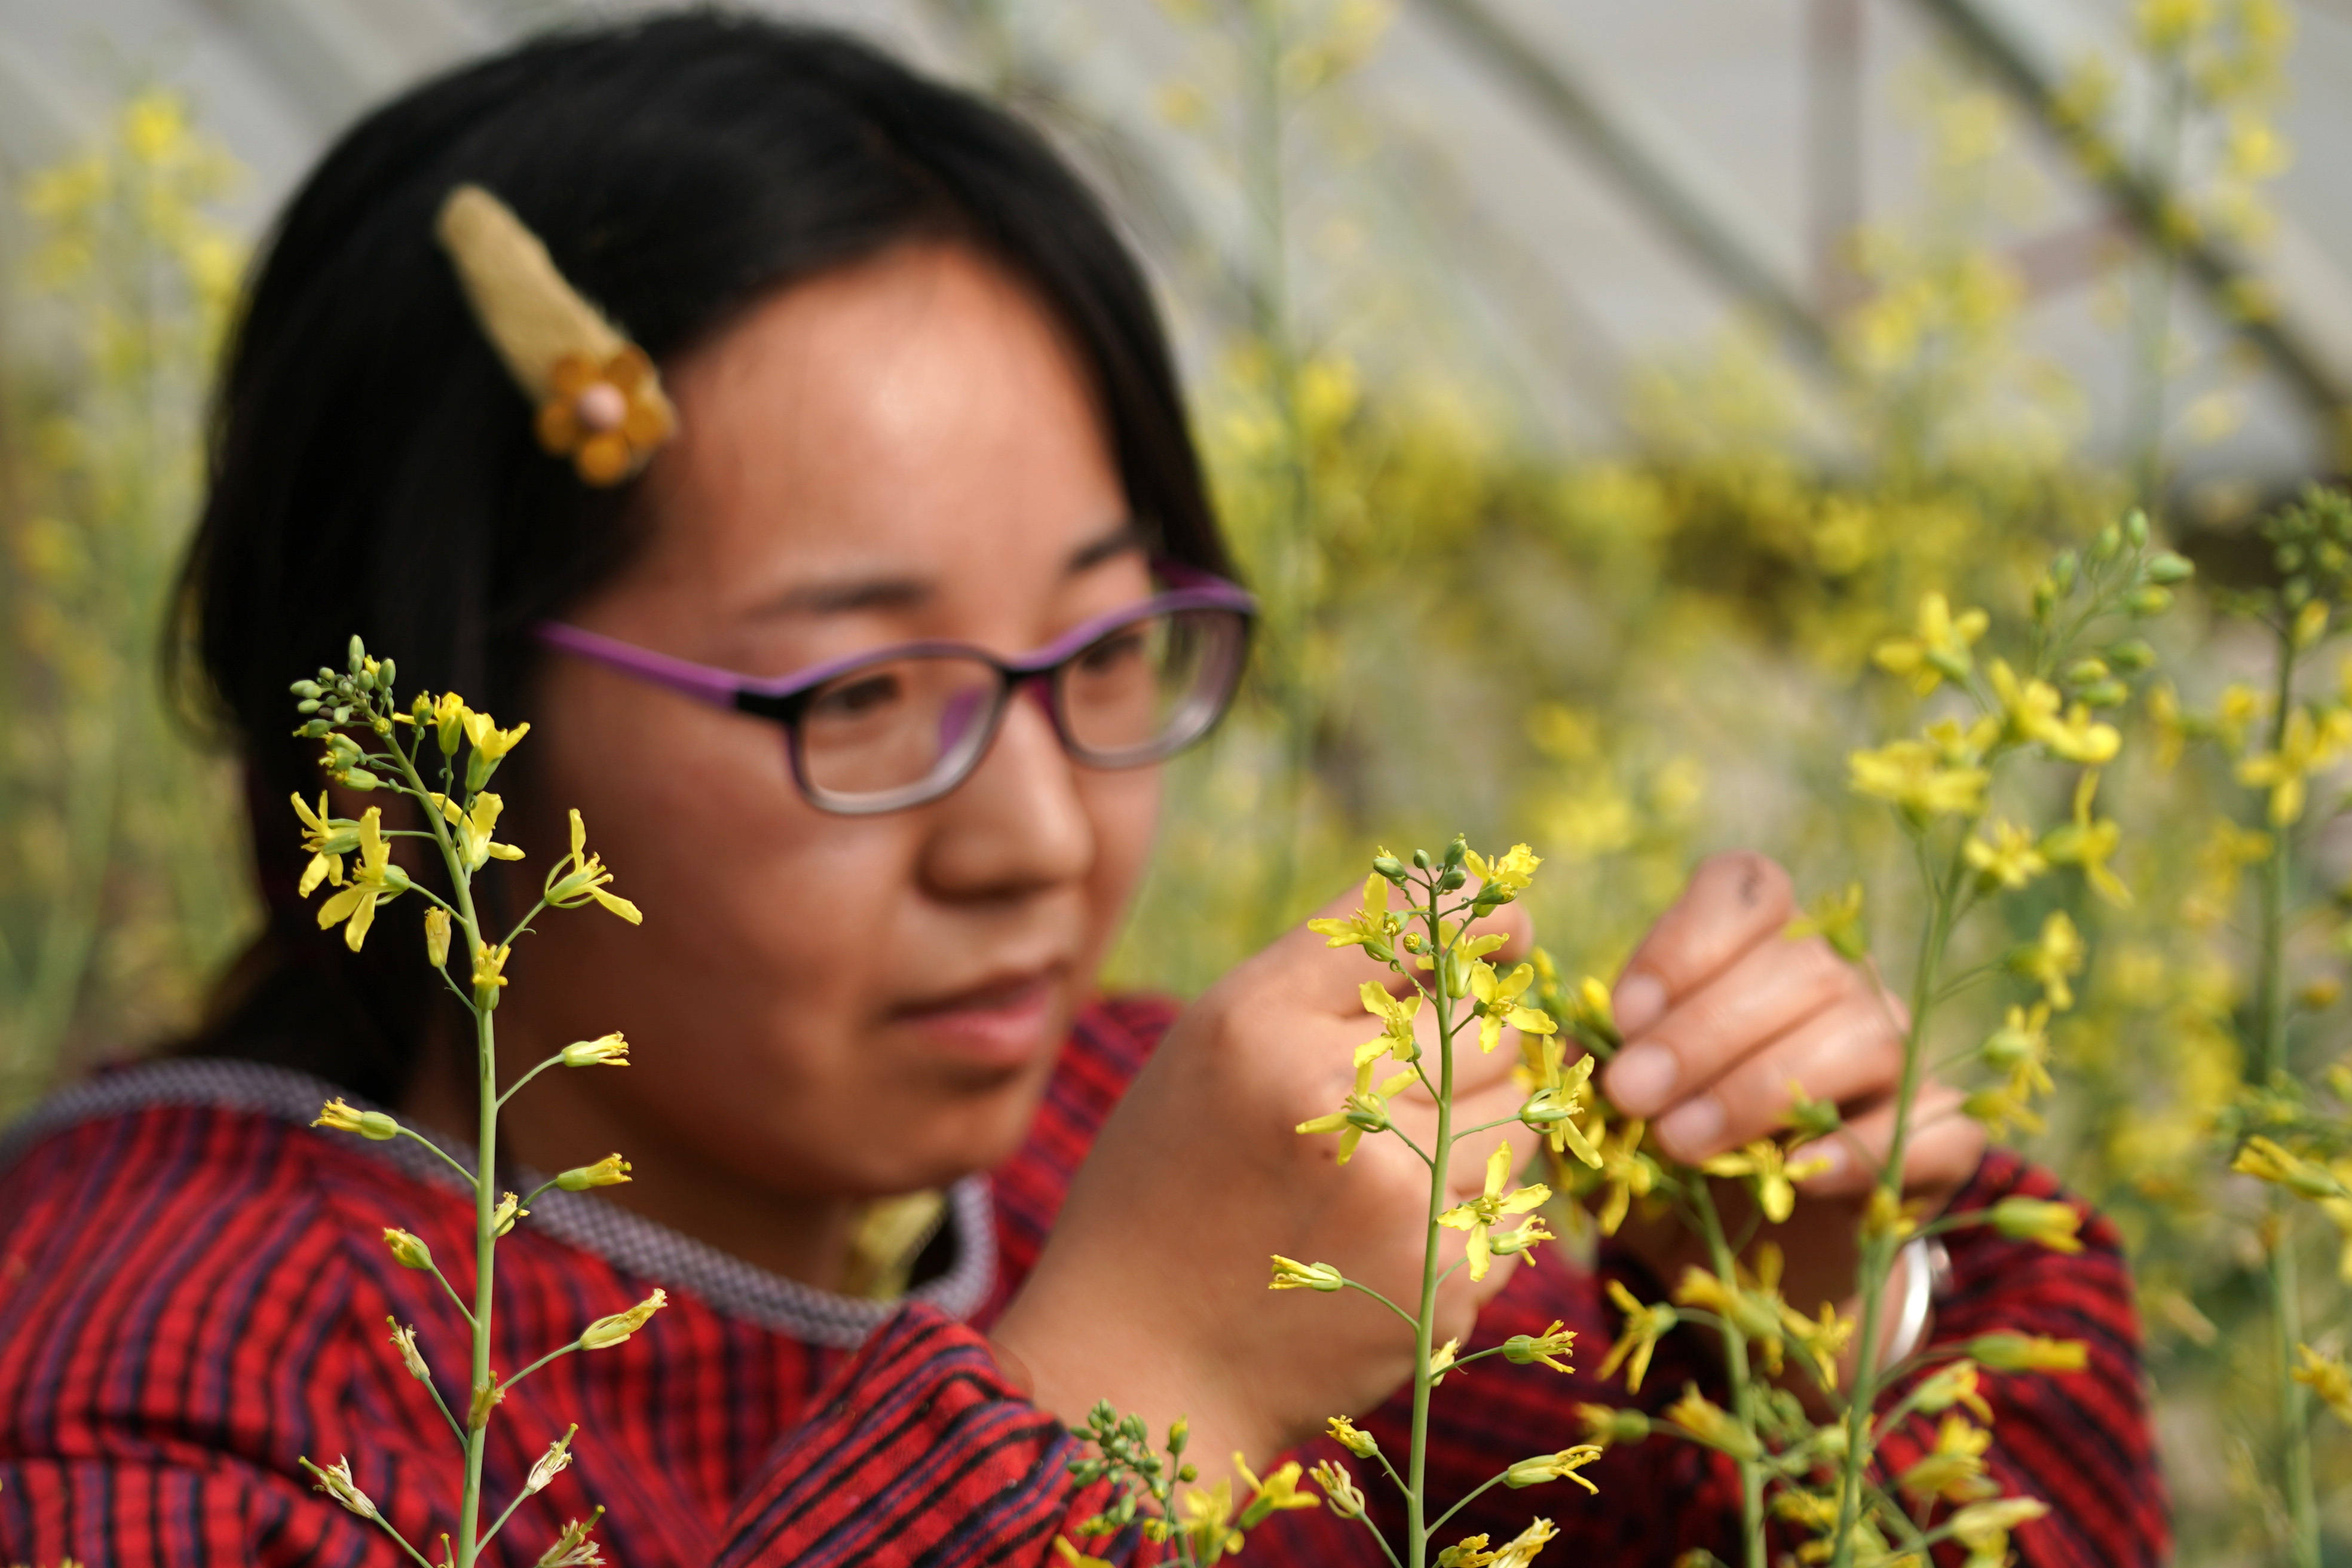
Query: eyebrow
pixel 850 596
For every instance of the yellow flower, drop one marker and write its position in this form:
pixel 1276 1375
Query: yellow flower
pixel 2053 1224
pixel 1938 651
pixel 605 1051
pixel 1836 917
pixel 2053 959
pixel 1499 1004
pixel 609 1171
pixel 1289 1274
pixel 1911 775
pixel 1954 1468
pixel 1352 1438
pixel 446 715
pixel 2007 860
pixel 474 826
pixel 1560 1467
pixel 1511 873
pixel 328 839
pixel 408 1250
pixel 1644 1326
pixel 1558 1090
pixel 1547 1347
pixel 1396 1014
pixel 1983 1527
pixel 2327 1376
pixel 1208 1521
pixel 2240 706
pixel 2021 1047
pixel 586 879
pixel 1366 1109
pixel 1953 1383
pixel 1074 1558
pixel 1712 1425
pixel 2087 844
pixel 490 746
pixel 1765 1163
pixel 437 936
pixel 2029 711
pixel 489 978
pixel 1479 1214
pixel 1521 1548
pixel 373 1125
pixel 1277 1493
pixel 2304 748
pixel 2028 1352
pixel 1440 1360
pixel 1371 928
pixel 2267 1161
pixel 1625 1172
pixel 1608 1426
pixel 1338 1488
pixel 375 880
pixel 605 1332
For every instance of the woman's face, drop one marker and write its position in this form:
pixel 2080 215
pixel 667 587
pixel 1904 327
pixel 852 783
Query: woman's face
pixel 816 1004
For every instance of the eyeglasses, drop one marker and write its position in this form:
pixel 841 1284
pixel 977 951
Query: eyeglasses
pixel 900 726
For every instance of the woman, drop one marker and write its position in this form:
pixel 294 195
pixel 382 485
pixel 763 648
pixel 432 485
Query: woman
pixel 921 394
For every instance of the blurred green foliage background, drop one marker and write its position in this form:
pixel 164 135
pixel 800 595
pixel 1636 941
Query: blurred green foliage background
pixel 1626 657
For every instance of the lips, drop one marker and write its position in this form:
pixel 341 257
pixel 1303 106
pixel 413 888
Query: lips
pixel 1003 1022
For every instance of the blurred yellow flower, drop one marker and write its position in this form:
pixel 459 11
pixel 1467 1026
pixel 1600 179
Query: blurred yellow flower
pixel 1953 1469
pixel 2008 859
pixel 1644 1327
pixel 2304 748
pixel 1938 650
pixel 1913 775
pixel 2327 1376
pixel 2053 959
pixel 2087 844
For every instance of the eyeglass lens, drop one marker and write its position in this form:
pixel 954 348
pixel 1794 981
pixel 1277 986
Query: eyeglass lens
pixel 886 733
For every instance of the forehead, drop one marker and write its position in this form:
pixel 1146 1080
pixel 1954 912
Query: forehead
pixel 920 414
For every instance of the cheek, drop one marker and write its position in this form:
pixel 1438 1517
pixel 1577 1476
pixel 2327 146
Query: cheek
pixel 762 916
pixel 1124 809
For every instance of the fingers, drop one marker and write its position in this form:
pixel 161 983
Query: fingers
pixel 1732 901
pixel 1940 1154
pixel 1849 1051
pixel 1765 992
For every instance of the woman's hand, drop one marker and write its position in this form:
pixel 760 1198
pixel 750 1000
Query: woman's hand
pixel 1727 1021
pixel 1153 1290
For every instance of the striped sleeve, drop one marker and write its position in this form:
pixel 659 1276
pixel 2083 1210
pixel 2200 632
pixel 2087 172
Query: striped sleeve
pixel 921 1451
pixel 2081 1442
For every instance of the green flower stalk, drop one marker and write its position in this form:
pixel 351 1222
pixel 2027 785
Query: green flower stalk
pixel 372 745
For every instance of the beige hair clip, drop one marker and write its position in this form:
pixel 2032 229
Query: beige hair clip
pixel 600 398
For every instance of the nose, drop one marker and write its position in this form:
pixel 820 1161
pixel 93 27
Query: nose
pixel 1018 824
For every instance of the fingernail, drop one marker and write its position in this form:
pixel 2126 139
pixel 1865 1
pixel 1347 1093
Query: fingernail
pixel 1828 1155
pixel 1639 1000
pixel 1640 1078
pixel 1690 1128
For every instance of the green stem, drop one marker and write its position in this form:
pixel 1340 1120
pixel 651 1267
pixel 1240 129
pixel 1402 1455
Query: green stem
pixel 1417 1468
pixel 1743 1386
pixel 2269 1025
pixel 1402 1315
pixel 1879 1246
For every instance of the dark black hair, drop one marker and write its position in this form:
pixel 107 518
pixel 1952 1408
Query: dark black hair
pixel 373 466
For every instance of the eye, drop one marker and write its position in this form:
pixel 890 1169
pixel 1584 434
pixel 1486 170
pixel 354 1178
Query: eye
pixel 1120 649
pixel 857 698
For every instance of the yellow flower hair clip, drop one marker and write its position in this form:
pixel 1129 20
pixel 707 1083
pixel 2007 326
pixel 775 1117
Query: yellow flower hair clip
pixel 599 397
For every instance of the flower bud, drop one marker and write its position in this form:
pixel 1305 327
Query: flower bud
pixel 1389 867
pixel 2062 571
pixel 509 1209
pixel 1289 1274
pixel 437 936
pixel 2053 1224
pixel 2104 694
pixel 2028 1352
pixel 408 1250
pixel 306 688
pixel 2167 567
pixel 609 1171
pixel 1421 859
pixel 1562 1466
pixel 604 1051
pixel 406 1339
pixel 1179 1432
pixel 2084 671
pixel 1606 1427
pixel 358 654
pixel 373 1125
pixel 2107 545
pixel 1352 1438
pixel 607 1331
pixel 2149 601
pixel 1346 1499
pixel 2132 656
pixel 2136 527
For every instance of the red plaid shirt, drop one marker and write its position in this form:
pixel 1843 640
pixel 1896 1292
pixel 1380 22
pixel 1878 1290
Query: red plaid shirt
pixel 193 1293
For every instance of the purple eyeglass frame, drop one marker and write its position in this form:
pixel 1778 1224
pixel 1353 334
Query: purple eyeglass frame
pixel 780 699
